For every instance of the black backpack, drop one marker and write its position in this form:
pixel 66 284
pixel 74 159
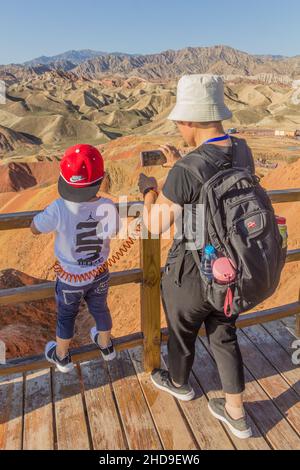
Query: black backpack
pixel 241 224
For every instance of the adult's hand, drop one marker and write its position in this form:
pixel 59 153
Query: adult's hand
pixel 172 155
pixel 146 182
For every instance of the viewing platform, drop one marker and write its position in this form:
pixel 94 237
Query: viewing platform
pixel 114 406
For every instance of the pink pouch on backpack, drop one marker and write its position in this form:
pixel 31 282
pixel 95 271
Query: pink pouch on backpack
pixel 224 273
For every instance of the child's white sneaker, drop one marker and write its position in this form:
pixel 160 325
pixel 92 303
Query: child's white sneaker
pixel 109 353
pixel 63 365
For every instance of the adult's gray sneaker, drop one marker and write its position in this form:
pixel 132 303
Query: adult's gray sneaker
pixel 239 428
pixel 162 380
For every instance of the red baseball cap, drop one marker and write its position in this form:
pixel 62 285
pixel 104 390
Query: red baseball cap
pixel 81 173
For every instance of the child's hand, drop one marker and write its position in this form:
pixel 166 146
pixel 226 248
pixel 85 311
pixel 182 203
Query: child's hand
pixel 34 230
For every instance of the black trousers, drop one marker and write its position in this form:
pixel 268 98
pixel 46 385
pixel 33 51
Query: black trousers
pixel 186 310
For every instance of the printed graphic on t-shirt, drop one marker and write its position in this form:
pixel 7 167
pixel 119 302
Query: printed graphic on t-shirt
pixel 88 244
pixel 83 233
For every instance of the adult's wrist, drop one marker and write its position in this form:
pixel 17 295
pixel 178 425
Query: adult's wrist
pixel 170 165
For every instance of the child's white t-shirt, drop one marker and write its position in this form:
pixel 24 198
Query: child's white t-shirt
pixel 83 233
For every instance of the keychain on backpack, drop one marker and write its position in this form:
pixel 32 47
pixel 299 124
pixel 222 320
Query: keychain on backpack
pixel 224 273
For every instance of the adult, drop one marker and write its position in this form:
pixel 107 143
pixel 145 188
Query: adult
pixel 198 114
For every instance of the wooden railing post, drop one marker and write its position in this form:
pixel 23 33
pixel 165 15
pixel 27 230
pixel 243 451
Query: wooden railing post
pixel 150 302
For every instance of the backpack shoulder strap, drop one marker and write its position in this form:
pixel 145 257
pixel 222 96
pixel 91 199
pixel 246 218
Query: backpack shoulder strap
pixel 242 155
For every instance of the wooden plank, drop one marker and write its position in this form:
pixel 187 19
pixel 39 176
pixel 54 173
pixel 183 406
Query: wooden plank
pixel 207 375
pixel 20 220
pixel 38 412
pixel 267 417
pixel 71 427
pixel 86 353
pixel 208 432
pixel 290 323
pixel 11 412
pixel 105 425
pixel 269 422
pixel 287 195
pixel 150 301
pixel 282 334
pixel 276 354
pixel 47 290
pixel 171 426
pixel 276 388
pixel 135 415
pixel 297 329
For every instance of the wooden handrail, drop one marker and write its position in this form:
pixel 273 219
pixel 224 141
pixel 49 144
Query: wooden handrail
pixel 293 256
pixel 88 353
pixel 283 196
pixel 21 220
pixel 256 318
pixel 84 354
pixel 47 290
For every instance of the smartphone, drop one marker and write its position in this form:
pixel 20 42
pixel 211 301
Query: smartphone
pixel 153 158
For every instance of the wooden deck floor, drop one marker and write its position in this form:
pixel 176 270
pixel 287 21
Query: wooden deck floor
pixel 116 407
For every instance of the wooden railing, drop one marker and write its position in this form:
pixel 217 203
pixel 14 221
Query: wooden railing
pixel 148 276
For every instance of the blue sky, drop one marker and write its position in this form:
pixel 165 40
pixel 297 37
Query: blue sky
pixel 32 28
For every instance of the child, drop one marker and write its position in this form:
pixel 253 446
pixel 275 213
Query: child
pixel 84 225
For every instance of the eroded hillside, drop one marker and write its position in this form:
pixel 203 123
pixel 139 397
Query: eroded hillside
pixel 47 112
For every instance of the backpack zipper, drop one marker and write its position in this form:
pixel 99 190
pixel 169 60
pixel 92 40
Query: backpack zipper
pixel 261 247
pixel 238 203
pixel 251 214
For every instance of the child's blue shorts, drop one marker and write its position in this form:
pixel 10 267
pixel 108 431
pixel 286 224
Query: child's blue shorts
pixel 68 300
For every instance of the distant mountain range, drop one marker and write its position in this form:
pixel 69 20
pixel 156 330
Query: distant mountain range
pixel 171 64
pixel 74 57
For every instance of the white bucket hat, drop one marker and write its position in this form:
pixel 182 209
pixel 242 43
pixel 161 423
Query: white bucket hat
pixel 200 98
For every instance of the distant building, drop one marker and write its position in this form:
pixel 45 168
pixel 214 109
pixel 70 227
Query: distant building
pixel 259 132
pixel 293 134
pixel 233 130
